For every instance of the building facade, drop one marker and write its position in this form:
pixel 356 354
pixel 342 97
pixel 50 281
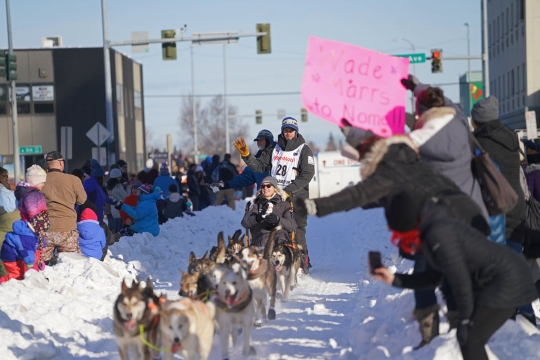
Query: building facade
pixel 514 58
pixel 65 87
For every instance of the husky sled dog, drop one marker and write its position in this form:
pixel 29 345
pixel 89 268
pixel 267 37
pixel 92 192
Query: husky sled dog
pixel 285 259
pixel 191 285
pixel 236 243
pixel 219 252
pixel 136 306
pixel 235 308
pixel 262 277
pixel 187 325
pixel 202 265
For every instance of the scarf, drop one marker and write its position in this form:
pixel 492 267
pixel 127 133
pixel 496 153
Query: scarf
pixel 408 241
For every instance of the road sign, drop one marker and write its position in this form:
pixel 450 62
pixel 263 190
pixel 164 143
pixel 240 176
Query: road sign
pixel 139 36
pixel 530 121
pixel 98 134
pixel 30 150
pixel 417 58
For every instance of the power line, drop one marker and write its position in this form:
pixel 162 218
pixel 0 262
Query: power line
pixel 228 95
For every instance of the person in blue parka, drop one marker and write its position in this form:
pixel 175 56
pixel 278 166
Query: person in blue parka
pixel 91 236
pixel 145 214
pixel 164 180
pixel 249 177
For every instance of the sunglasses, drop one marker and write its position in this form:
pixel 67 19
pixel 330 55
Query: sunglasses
pixel 267 186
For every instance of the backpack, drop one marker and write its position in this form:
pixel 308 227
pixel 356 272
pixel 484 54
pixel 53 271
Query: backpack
pixel 215 177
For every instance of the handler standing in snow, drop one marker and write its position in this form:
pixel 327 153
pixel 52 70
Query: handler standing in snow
pixel 291 162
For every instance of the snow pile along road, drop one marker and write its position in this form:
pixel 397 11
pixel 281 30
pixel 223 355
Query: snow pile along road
pixel 336 312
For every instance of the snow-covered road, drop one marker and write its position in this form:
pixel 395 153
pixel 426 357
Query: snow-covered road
pixel 336 312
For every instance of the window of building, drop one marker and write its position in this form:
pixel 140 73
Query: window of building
pixel 512 81
pixel 521 9
pixel 119 99
pixel 23 96
pixel 507 22
pixel 137 99
pixel 43 108
pixel 3 99
pixel 524 77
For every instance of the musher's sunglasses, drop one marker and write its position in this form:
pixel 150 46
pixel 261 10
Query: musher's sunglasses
pixel 268 186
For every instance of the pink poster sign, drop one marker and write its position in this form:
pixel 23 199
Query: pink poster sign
pixel 343 81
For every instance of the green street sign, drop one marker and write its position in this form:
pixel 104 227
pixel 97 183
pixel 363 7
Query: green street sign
pixel 30 150
pixel 414 58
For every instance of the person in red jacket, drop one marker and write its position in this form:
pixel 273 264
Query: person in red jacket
pixel 132 199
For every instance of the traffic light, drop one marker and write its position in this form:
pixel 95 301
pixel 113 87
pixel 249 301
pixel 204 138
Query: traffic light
pixel 258 116
pixel 11 67
pixel 264 45
pixel 303 112
pixel 2 66
pixel 168 49
pixel 436 60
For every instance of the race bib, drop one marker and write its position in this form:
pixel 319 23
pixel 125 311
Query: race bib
pixel 285 165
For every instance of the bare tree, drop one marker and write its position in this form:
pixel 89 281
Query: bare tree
pixel 210 125
pixel 331 144
pixel 314 148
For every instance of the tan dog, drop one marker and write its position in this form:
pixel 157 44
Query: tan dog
pixel 261 278
pixel 187 325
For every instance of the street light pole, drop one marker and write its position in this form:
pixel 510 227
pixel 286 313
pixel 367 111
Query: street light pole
pixel 227 139
pixel 414 68
pixel 194 116
pixel 108 89
pixel 485 54
pixel 14 118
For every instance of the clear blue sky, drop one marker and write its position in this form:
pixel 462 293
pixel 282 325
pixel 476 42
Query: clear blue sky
pixel 368 23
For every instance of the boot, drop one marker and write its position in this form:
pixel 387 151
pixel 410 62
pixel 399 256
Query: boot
pixel 453 319
pixel 428 319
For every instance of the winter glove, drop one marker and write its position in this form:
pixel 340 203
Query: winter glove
pixel 462 333
pixel 216 187
pixel 410 82
pixel 305 207
pixel 259 217
pixel 241 146
pixel 272 219
pixel 117 204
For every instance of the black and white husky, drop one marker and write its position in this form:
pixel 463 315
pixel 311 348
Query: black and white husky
pixel 285 259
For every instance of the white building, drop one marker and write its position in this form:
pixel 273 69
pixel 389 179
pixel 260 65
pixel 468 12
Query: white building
pixel 514 58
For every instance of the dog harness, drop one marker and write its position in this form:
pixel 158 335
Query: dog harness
pixel 285 164
pixel 239 304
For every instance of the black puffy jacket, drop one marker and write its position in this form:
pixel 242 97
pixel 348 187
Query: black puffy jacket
pixel 502 145
pixel 392 166
pixel 480 272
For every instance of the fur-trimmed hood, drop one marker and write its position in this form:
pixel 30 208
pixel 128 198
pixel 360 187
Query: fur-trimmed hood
pixel 533 167
pixel 435 113
pixel 377 152
pixel 279 191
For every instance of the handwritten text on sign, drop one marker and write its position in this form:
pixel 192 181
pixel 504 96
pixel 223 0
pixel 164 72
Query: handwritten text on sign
pixel 343 81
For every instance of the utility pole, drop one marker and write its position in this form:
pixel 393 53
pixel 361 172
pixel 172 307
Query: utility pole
pixel 16 155
pixel 194 117
pixel 108 87
pixel 468 53
pixel 227 137
pixel 485 54
pixel 414 69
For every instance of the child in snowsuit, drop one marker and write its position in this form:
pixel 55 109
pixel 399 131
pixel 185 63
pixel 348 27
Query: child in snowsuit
pixel 145 214
pixel 22 246
pixel 91 236
pixel 175 204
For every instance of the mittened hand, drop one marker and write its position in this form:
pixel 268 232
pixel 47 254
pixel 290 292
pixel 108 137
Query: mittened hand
pixel 272 219
pixel 216 187
pixel 117 204
pixel 410 82
pixel 305 207
pixel 462 333
pixel 259 218
pixel 241 146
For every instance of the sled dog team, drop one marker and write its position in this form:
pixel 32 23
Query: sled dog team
pixel 229 290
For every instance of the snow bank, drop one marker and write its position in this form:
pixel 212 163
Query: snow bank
pixel 336 312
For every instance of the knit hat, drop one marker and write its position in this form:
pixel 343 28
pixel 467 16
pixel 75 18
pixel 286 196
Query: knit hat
pixel 402 212
pixel 146 188
pixel 136 185
pixel 97 170
pixel 485 110
pixel 289 122
pixel 115 173
pixel 88 214
pixel 35 175
pixel 270 180
pixel 32 204
pixel 265 134
pixel 149 163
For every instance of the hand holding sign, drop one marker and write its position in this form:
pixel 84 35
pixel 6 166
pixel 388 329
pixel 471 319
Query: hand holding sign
pixel 343 81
